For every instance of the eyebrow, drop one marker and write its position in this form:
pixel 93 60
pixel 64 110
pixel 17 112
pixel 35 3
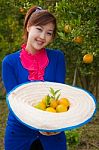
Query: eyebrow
pixel 51 30
pixel 48 30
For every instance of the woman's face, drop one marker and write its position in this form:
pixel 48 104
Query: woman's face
pixel 39 37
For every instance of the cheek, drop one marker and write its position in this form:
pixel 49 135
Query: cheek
pixel 50 39
pixel 32 34
pixel 30 37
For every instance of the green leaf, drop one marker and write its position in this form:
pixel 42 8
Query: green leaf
pixel 58 96
pixel 52 91
pixel 48 100
pixel 56 91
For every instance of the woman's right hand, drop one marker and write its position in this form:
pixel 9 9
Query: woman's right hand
pixel 49 133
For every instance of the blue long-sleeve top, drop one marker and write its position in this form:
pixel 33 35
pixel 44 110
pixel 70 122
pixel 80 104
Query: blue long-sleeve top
pixel 13 74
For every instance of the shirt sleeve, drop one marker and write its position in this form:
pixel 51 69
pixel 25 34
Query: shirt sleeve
pixel 8 74
pixel 60 68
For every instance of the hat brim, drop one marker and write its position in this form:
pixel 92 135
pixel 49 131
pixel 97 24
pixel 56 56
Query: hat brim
pixel 22 98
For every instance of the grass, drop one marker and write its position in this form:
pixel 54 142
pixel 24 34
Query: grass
pixel 89 133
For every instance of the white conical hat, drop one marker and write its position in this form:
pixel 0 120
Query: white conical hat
pixel 21 99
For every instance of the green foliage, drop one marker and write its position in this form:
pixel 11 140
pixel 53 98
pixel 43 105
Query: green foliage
pixel 73 137
pixel 82 16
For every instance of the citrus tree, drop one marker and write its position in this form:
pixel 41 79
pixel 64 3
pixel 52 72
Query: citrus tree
pixel 78 30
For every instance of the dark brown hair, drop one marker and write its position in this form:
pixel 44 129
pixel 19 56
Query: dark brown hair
pixel 41 17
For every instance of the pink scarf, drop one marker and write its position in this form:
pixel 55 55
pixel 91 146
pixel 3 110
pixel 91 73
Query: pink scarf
pixel 34 63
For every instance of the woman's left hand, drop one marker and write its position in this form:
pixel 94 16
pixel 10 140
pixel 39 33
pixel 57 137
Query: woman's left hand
pixel 49 133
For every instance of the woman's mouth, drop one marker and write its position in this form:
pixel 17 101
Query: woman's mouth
pixel 40 42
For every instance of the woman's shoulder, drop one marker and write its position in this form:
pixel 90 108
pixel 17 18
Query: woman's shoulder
pixel 54 52
pixel 11 58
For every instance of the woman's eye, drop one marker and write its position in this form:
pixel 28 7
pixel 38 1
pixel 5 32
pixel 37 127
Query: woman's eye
pixel 49 33
pixel 39 29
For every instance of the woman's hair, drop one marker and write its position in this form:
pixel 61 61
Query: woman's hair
pixel 38 17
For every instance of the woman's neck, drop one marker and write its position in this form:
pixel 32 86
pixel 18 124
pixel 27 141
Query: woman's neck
pixel 30 50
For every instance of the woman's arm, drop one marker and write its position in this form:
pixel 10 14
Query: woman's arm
pixel 8 74
pixel 60 68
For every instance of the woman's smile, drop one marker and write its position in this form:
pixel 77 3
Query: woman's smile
pixel 40 42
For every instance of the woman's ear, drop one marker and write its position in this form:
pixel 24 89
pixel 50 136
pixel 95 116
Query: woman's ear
pixel 28 28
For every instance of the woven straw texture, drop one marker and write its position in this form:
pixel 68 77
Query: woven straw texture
pixel 21 99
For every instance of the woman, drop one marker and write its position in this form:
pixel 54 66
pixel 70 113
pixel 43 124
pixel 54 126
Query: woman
pixel 33 62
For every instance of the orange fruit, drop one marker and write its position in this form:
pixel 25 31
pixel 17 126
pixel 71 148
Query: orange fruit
pixel 64 101
pixel 61 108
pixel 53 103
pixel 44 99
pixel 67 28
pixel 88 58
pixel 41 106
pixel 78 39
pixel 21 9
pixel 50 109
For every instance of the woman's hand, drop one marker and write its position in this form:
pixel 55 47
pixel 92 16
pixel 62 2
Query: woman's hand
pixel 49 133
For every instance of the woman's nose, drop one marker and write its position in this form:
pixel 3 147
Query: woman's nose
pixel 42 35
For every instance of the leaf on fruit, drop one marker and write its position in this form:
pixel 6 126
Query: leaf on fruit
pixel 52 91
pixel 48 101
pixel 58 96
pixel 56 91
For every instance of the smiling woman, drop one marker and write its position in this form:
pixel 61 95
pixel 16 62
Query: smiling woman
pixel 33 62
